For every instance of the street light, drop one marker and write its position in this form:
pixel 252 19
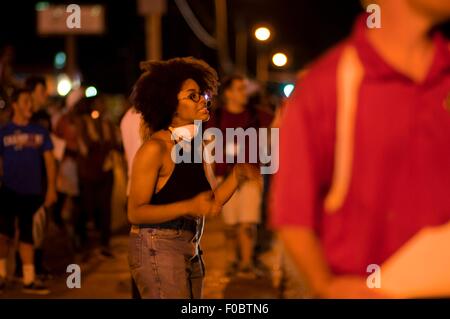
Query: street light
pixel 287 89
pixel 95 114
pixel 262 34
pixel 64 85
pixel 91 91
pixel 60 60
pixel 279 59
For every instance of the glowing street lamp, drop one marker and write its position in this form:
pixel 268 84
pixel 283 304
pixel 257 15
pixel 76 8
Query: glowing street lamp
pixel 287 89
pixel 91 91
pixel 95 114
pixel 64 85
pixel 279 59
pixel 262 34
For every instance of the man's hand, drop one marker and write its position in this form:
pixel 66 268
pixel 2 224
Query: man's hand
pixel 50 198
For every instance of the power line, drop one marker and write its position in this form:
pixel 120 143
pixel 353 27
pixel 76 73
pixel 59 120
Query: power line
pixel 195 25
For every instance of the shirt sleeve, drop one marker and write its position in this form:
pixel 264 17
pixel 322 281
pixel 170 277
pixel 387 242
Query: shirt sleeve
pixel 304 161
pixel 47 144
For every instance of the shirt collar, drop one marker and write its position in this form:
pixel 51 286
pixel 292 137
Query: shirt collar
pixel 375 66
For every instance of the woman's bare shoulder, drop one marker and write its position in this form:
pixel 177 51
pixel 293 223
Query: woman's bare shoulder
pixel 156 145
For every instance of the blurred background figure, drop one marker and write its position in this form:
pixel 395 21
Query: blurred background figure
pixel 98 140
pixel 7 82
pixel 67 209
pixel 39 96
pixel 39 100
pixel 132 128
pixel 37 86
pixel 242 213
pixel 364 149
pixel 24 149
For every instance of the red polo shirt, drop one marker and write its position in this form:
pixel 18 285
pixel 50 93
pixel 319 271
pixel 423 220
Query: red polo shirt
pixel 400 179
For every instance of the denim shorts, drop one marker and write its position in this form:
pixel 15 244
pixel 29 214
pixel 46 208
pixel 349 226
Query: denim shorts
pixel 166 263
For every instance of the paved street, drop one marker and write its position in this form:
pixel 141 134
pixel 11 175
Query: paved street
pixel 109 277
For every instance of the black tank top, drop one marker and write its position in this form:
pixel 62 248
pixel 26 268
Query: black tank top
pixel 186 181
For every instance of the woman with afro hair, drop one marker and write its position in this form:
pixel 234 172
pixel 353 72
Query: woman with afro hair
pixel 168 200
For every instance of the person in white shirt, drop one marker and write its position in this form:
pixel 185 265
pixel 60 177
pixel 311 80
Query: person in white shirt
pixel 131 137
pixel 130 128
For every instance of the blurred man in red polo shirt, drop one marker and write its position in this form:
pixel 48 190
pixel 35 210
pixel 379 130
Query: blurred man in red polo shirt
pixel 365 148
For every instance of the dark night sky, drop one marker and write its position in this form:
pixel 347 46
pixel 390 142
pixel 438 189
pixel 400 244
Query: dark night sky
pixel 304 27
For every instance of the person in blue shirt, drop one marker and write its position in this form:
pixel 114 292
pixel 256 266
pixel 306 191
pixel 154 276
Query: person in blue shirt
pixel 23 147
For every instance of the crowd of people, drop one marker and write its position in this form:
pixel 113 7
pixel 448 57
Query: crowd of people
pixel 57 160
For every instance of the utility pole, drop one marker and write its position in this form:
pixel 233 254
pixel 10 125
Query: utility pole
pixel 241 46
pixel 70 21
pixel 222 36
pixel 71 51
pixel 262 65
pixel 153 10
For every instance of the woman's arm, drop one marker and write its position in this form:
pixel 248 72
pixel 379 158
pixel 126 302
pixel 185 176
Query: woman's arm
pixel 144 176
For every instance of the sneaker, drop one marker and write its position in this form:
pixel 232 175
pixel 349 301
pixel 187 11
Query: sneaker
pixel 35 288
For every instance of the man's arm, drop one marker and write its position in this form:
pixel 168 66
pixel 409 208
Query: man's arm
pixel 50 168
pixel 305 249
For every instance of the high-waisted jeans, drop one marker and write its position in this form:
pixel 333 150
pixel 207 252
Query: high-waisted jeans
pixel 166 263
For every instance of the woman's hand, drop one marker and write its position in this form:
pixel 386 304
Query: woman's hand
pixel 204 205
